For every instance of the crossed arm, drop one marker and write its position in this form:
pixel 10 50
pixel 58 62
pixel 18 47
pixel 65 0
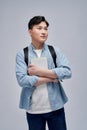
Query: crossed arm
pixel 45 75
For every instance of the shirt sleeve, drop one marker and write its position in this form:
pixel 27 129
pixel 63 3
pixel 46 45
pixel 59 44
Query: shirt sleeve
pixel 63 70
pixel 23 79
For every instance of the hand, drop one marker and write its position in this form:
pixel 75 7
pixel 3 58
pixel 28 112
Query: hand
pixel 33 69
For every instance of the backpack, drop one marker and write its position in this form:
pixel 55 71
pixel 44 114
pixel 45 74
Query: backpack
pixel 51 49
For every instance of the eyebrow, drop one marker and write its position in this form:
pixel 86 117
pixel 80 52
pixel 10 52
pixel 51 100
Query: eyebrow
pixel 42 26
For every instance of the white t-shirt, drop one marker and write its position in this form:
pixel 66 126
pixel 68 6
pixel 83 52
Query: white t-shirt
pixel 40 100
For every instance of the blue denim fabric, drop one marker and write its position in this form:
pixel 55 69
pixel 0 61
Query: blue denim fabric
pixel 56 94
pixel 55 120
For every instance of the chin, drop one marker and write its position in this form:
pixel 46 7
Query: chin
pixel 43 41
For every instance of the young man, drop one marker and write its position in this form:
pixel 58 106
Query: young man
pixel 42 94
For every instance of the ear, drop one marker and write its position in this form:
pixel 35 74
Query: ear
pixel 29 31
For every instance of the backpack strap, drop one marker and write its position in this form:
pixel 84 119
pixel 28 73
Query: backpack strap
pixel 53 54
pixel 26 55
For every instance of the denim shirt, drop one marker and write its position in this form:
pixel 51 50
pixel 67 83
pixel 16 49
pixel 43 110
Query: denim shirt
pixel 56 94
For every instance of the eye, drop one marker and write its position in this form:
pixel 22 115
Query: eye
pixel 45 28
pixel 39 28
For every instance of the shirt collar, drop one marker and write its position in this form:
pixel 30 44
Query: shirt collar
pixel 33 48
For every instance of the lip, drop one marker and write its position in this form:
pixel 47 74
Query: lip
pixel 43 37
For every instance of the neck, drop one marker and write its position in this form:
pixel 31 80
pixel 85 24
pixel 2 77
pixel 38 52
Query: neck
pixel 38 46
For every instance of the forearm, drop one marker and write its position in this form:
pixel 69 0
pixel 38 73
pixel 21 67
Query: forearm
pixel 43 80
pixel 47 73
pixel 41 72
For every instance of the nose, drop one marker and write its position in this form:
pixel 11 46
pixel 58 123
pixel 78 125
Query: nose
pixel 43 31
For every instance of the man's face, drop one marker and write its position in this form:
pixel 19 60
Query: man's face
pixel 39 33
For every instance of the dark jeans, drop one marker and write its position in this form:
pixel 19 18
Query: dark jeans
pixel 55 120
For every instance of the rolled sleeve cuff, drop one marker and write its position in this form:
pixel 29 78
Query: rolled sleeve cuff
pixel 62 73
pixel 33 80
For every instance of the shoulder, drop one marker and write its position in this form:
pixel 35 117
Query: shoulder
pixel 20 54
pixel 56 48
pixel 58 51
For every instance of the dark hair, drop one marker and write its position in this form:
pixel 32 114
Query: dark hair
pixel 37 20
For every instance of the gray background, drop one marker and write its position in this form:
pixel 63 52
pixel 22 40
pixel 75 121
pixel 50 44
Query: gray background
pixel 68 30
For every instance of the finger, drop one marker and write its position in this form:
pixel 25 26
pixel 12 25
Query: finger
pixel 56 81
pixel 30 65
